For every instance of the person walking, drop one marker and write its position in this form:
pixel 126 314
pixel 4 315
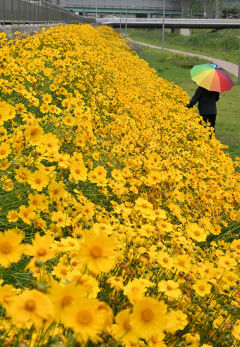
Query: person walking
pixel 206 104
pixel 212 80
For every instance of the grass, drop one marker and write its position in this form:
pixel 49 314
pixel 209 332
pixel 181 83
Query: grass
pixel 222 44
pixel 176 68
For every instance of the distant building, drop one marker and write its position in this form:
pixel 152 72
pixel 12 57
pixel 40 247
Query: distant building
pixel 151 8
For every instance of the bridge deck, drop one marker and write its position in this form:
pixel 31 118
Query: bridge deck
pixel 172 23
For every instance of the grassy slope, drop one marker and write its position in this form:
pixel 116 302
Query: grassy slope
pixel 222 44
pixel 175 68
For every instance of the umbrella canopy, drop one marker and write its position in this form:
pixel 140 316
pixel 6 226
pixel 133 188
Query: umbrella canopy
pixel 212 77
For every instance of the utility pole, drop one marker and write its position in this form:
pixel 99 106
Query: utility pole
pixel 239 63
pixel 217 9
pixel 126 23
pixel 121 18
pixel 163 22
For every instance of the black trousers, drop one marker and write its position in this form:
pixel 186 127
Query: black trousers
pixel 211 118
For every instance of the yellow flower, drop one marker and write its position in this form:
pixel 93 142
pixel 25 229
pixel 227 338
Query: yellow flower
pixel 20 108
pixel 157 341
pixel 62 296
pixel 88 210
pixel 4 164
pixel 4 150
pixel 37 202
pixel 182 263
pixel 30 308
pixel 108 314
pixel 66 103
pixel 227 262
pixel 97 251
pixel 170 288
pixel 12 216
pixel 165 260
pixel 47 98
pixel 78 172
pixel 135 289
pixel 193 339
pixel 149 318
pixel 98 175
pixel 7 293
pixel 86 284
pixel 69 120
pixel 202 287
pixel 116 283
pixel 177 321
pixel 196 232
pixel 26 214
pixel 60 218
pixel 50 143
pixel 38 180
pixel 218 322
pixel 44 108
pixel 6 112
pixel 34 134
pixel 144 207
pixel 11 248
pixel 102 227
pixel 56 191
pixel 22 174
pixel 154 177
pixel 85 319
pixel 41 248
pixel 122 330
pixel 236 245
pixel 236 330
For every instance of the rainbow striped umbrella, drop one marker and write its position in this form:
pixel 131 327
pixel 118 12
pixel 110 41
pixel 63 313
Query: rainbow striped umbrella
pixel 212 77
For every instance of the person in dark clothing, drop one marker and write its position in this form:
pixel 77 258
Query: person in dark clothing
pixel 206 104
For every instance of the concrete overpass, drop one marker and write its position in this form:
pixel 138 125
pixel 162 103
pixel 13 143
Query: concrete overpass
pixel 172 23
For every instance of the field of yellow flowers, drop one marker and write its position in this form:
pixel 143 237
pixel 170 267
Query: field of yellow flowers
pixel 114 201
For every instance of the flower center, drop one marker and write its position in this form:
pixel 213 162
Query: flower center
pixel 5 247
pixel 34 132
pixel 147 315
pixel 126 325
pixel 38 180
pixel 84 317
pixel 96 252
pixel 66 301
pixel 201 287
pixel 6 298
pixel 41 252
pixel 30 305
pixel 181 263
pixel 197 233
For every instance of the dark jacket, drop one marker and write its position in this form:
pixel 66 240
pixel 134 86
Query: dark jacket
pixel 206 101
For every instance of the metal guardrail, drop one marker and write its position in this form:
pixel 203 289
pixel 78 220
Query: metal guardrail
pixel 34 11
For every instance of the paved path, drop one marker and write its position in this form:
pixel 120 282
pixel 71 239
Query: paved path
pixel 230 67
